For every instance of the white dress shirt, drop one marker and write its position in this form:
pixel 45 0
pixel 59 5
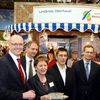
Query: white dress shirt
pixel 62 72
pixel 28 65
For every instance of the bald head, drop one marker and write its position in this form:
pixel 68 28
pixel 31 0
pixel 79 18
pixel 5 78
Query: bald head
pixel 16 44
pixel 15 37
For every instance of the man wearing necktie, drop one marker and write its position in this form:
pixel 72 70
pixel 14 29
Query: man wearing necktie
pixel 87 76
pixel 31 50
pixel 12 74
pixel 87 70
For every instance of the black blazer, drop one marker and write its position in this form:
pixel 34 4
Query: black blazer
pixel 86 89
pixel 67 88
pixel 35 84
pixel 23 61
pixel 11 86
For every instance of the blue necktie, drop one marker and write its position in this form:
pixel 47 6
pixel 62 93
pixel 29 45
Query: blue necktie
pixel 87 70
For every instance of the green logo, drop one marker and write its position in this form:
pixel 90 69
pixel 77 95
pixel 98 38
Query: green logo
pixel 87 15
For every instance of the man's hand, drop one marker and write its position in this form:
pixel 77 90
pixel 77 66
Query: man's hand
pixel 29 95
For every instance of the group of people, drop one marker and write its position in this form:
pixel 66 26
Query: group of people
pixel 28 77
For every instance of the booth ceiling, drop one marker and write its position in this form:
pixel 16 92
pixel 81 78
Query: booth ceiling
pixel 54 26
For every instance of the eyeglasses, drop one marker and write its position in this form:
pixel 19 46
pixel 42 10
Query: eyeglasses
pixel 17 44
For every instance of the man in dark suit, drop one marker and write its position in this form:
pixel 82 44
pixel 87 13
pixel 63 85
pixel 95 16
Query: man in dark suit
pixel 12 75
pixel 31 51
pixel 61 73
pixel 87 76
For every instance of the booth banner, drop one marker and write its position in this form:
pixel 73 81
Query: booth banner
pixel 66 14
pixel 63 17
pixel 54 26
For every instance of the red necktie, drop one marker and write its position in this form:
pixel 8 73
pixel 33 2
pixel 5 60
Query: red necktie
pixel 21 71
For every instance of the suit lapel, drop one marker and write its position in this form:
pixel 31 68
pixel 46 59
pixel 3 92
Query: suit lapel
pixel 12 63
pixel 23 62
pixel 92 71
pixel 81 70
pixel 58 75
pixel 14 68
pixel 66 77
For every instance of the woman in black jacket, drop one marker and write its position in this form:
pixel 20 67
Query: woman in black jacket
pixel 41 83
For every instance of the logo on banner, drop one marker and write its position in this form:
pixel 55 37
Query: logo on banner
pixel 87 15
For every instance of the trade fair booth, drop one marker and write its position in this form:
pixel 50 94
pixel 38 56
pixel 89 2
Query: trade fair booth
pixel 63 17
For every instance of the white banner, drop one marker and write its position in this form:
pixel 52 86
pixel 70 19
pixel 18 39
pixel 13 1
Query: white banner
pixel 66 14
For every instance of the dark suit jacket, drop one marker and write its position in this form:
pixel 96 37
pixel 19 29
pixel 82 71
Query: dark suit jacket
pixel 23 61
pixel 87 89
pixel 11 86
pixel 35 84
pixel 55 73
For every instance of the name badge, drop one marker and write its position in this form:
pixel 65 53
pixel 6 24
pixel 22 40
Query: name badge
pixel 51 84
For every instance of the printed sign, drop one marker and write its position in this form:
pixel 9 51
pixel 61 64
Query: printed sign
pixel 66 14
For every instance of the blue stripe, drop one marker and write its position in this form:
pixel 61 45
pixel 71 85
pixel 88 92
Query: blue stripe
pixel 27 27
pixel 93 27
pixel 21 25
pixel 62 25
pixel 78 26
pixel 39 26
pixel 54 27
pixel 17 29
pixel 32 25
pixel 69 26
pixel 46 25
pixel 85 27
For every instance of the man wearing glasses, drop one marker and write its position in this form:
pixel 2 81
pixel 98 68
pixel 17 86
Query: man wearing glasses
pixel 87 76
pixel 12 74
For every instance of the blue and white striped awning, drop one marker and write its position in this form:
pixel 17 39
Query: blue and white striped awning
pixel 54 26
